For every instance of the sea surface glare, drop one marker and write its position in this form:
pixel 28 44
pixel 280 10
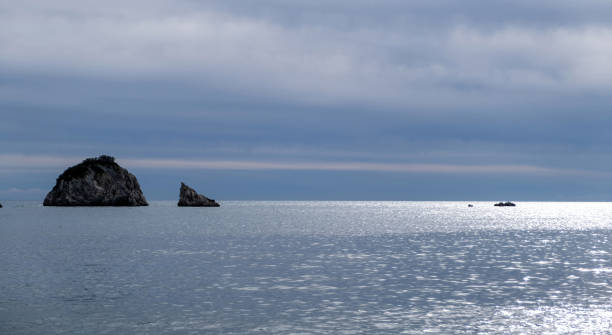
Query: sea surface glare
pixel 307 268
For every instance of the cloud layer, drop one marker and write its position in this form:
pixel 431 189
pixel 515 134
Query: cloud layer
pixel 402 55
pixel 411 87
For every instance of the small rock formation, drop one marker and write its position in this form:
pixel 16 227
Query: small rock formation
pixel 96 182
pixel 470 205
pixel 188 197
pixel 0 205
pixel 505 204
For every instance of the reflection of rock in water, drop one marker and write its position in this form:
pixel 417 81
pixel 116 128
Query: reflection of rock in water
pixel 96 182
pixel 188 197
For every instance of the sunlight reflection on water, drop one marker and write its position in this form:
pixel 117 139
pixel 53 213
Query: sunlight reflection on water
pixel 307 267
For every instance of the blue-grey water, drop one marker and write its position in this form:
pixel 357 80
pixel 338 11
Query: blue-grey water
pixel 307 268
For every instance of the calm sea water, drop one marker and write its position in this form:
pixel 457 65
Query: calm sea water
pixel 307 268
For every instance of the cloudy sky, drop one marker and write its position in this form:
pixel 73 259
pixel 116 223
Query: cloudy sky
pixel 271 99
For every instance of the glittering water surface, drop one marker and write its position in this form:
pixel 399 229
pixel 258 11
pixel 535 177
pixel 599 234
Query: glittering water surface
pixel 307 268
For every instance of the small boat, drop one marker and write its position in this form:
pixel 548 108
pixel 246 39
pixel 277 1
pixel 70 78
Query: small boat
pixel 505 204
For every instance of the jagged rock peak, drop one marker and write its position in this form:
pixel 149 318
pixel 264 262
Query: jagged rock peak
pixel 96 182
pixel 188 197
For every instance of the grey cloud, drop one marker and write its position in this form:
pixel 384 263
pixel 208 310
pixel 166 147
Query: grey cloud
pixel 423 83
pixel 393 63
pixel 51 162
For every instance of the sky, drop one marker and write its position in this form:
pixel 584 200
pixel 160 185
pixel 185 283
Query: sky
pixel 312 100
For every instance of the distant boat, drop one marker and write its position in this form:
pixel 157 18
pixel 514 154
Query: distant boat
pixel 505 204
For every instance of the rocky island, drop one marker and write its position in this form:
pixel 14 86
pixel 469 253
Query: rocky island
pixel 505 204
pixel 188 197
pixel 96 182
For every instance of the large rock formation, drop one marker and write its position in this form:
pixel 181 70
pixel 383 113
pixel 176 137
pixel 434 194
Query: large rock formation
pixel 96 182
pixel 505 204
pixel 188 197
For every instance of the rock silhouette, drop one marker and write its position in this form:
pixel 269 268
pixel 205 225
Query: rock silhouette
pixel 96 182
pixel 505 204
pixel 188 197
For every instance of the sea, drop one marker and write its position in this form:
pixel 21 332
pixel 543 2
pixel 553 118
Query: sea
pixel 307 267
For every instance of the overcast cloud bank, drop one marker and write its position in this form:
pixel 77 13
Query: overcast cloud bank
pixel 413 87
